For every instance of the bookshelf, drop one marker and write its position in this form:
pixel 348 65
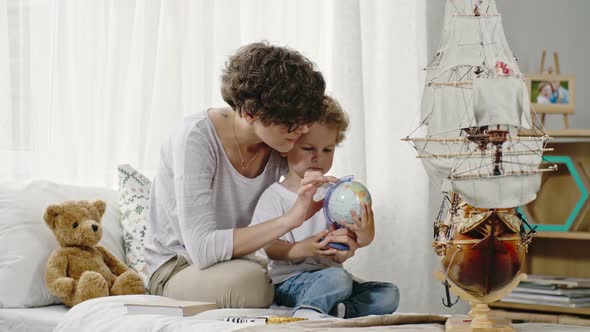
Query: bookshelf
pixel 562 212
pixel 564 235
pixel 543 308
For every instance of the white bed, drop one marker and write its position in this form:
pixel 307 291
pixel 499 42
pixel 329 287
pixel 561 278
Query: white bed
pixel 41 319
pixel 109 314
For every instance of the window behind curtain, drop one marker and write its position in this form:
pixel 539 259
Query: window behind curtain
pixel 13 135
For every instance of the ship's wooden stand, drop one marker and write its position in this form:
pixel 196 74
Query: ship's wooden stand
pixel 477 320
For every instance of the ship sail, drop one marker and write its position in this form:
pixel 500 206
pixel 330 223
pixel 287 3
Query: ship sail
pixel 501 101
pixel 518 183
pixel 475 101
pixel 486 101
pixel 470 171
pixel 475 41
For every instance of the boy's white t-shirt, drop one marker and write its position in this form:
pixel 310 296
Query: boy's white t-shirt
pixel 274 202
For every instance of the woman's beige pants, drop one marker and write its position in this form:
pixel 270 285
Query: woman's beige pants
pixel 238 283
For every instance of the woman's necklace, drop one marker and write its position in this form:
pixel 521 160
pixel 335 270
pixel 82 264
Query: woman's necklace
pixel 243 165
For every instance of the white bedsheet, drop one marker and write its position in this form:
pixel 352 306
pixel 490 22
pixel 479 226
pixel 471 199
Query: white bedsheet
pixel 41 319
pixel 108 314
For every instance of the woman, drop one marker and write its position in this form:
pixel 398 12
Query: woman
pixel 213 170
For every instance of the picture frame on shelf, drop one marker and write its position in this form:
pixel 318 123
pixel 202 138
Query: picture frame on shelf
pixel 552 94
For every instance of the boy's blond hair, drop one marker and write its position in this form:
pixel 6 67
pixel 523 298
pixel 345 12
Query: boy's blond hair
pixel 334 117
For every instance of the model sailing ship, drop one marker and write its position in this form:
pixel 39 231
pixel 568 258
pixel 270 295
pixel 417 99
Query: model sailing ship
pixel 475 102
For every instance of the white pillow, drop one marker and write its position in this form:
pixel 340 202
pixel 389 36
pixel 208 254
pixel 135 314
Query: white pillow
pixel 26 242
pixel 134 197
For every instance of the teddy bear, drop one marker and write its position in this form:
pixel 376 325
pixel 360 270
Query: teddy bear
pixel 80 269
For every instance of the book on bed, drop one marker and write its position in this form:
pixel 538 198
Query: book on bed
pixel 169 308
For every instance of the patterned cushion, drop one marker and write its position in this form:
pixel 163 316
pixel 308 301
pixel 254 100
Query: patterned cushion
pixel 134 196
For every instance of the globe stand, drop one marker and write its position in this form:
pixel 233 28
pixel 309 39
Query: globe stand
pixel 477 319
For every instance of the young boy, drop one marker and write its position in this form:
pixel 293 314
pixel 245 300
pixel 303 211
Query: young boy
pixel 306 273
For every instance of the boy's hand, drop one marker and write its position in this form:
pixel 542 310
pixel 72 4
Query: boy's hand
pixel 341 231
pixel 363 227
pixel 343 236
pixel 305 207
pixel 315 246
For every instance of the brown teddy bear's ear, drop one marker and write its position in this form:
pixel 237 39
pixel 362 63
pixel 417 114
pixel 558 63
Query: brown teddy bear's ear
pixel 101 206
pixel 51 213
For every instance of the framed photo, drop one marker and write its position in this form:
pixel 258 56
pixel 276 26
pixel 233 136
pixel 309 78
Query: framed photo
pixel 552 93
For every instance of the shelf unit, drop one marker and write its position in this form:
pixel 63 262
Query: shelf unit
pixel 543 308
pixel 564 249
pixel 563 235
pixel 563 201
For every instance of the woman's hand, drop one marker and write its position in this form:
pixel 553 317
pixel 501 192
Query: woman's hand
pixel 305 207
pixel 363 227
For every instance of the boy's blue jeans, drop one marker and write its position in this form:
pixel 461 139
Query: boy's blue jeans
pixel 322 290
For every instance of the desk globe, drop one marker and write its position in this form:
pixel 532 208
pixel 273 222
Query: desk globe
pixel 342 197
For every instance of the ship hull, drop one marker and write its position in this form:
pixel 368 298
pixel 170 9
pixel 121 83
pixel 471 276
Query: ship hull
pixel 481 266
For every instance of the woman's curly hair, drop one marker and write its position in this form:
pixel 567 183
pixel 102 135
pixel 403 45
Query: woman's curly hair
pixel 275 84
pixel 334 117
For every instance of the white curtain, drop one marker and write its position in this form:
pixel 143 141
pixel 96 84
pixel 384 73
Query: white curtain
pixel 86 85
